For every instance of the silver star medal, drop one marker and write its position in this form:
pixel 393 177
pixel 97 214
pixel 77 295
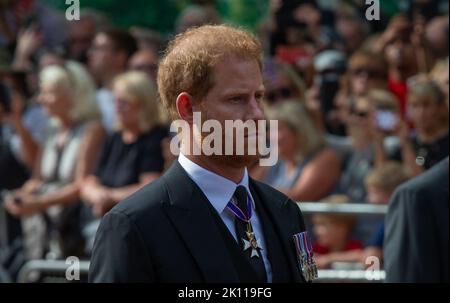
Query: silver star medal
pixel 251 243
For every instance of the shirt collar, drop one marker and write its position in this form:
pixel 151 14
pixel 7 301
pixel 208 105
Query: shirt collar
pixel 216 188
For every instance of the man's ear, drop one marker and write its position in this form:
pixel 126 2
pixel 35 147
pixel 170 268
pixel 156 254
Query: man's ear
pixel 184 105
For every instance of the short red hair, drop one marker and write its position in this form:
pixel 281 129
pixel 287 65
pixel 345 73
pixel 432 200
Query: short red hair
pixel 189 61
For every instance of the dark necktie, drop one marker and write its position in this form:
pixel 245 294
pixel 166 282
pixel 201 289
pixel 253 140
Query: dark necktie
pixel 241 227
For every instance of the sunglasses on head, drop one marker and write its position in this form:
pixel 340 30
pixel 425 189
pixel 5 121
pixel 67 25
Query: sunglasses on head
pixel 370 73
pixel 359 113
pixel 280 93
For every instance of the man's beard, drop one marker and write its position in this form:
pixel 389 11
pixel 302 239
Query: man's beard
pixel 234 160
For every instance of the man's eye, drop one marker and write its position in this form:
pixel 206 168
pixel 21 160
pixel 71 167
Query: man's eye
pixel 259 97
pixel 236 99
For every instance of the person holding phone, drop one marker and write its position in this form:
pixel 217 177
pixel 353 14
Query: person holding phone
pixel 385 120
pixel 428 110
pixel 371 124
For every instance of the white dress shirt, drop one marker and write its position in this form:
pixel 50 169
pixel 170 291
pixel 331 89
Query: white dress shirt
pixel 105 103
pixel 219 192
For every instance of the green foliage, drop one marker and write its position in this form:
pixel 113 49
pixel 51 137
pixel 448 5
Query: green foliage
pixel 160 15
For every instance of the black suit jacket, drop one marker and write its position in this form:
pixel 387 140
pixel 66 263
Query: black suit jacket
pixel 416 241
pixel 165 232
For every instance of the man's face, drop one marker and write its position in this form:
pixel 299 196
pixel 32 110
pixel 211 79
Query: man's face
pixel 351 31
pixel 376 195
pixel 236 95
pixel 81 34
pixel 101 55
pixel 145 61
pixel 425 112
pixel 330 232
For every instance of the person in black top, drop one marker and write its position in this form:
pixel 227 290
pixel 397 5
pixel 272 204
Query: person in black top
pixel 9 162
pixel 132 156
pixel 429 113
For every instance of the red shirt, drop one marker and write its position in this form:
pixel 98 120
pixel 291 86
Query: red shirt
pixel 400 90
pixel 351 245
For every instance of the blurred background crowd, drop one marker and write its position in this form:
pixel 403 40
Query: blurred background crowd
pixel 362 107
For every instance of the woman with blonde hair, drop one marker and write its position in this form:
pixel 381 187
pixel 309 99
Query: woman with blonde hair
pixel 282 82
pixel 50 199
pixel 132 156
pixel 308 169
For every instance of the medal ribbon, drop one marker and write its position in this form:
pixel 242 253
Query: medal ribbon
pixel 307 244
pixel 303 244
pixel 305 255
pixel 297 245
pixel 238 212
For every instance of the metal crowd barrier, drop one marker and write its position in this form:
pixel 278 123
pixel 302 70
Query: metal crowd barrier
pixel 49 271
pixel 55 270
pixel 348 208
pixel 350 276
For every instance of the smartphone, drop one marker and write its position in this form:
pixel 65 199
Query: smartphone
pixel 386 120
pixel 5 98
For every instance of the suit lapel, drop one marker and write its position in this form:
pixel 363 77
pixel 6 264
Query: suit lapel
pixel 190 214
pixel 275 252
pixel 276 212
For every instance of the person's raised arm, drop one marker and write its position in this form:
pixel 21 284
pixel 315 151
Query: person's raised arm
pixel 317 178
pixel 29 148
pixel 119 194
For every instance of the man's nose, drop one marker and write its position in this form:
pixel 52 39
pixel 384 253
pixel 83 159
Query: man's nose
pixel 255 110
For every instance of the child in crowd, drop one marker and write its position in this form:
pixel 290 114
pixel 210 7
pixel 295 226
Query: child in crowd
pixel 380 185
pixel 333 244
pixel 332 232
